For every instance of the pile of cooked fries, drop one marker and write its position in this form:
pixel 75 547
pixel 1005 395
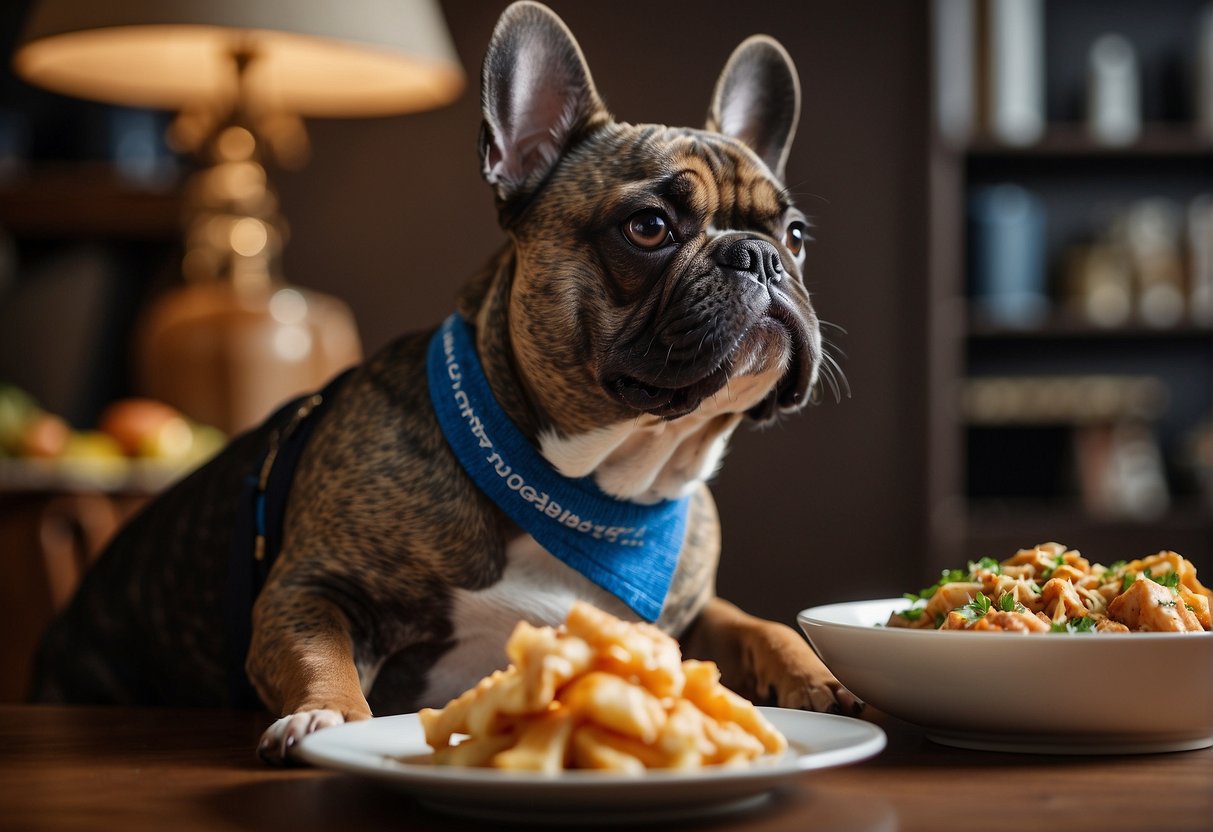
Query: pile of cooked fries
pixel 598 693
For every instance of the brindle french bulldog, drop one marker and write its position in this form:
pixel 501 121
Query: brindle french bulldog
pixel 648 299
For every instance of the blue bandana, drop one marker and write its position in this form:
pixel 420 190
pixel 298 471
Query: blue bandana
pixel 630 550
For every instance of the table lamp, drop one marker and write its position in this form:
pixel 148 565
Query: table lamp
pixel 235 339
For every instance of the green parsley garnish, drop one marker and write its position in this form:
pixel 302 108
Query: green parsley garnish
pixel 913 613
pixel 1128 578
pixel 1167 579
pixel 978 607
pixel 1059 561
pixel 1167 604
pixel 1077 624
pixel 986 564
pixel 947 576
pixel 1007 603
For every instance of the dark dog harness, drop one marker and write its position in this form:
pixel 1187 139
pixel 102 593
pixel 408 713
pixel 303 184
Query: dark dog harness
pixel 258 530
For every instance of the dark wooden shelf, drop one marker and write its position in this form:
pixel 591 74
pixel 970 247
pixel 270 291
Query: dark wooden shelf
pixel 87 200
pixel 1072 141
pixel 1187 512
pixel 993 526
pixel 1061 326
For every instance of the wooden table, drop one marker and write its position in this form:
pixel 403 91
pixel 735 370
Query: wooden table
pixel 132 770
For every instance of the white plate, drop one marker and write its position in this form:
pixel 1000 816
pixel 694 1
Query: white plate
pixel 1071 693
pixel 373 748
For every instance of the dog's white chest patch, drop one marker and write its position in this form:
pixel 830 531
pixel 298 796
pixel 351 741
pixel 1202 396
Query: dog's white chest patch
pixel 647 459
pixel 535 587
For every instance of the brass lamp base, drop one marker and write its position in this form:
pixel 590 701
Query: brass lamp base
pixel 227 356
pixel 235 341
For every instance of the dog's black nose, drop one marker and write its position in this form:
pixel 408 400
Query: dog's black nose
pixel 751 257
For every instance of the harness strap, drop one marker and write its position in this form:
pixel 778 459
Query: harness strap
pixel 258 528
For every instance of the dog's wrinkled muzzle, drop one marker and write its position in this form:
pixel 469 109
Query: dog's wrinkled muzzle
pixel 743 314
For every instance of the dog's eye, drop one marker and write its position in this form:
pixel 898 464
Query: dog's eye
pixel 647 230
pixel 794 238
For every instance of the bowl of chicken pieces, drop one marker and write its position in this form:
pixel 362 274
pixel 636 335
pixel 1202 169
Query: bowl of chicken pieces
pixel 1042 652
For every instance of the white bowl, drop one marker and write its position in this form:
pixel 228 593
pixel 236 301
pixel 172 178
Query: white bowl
pixel 1062 693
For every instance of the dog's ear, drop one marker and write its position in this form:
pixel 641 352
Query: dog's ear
pixel 536 96
pixel 757 100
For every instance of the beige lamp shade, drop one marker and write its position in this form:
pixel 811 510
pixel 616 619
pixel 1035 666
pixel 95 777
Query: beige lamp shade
pixel 310 57
pixel 219 348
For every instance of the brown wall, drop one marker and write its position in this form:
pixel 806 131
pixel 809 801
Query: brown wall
pixel 391 215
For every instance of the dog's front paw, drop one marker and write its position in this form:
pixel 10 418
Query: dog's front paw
pixel 280 742
pixel 787 673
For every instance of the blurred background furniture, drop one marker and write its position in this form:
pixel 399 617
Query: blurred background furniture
pixel 49 536
pixel 1111 228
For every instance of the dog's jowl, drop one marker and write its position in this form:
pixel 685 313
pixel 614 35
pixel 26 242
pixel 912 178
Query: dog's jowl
pixel 369 549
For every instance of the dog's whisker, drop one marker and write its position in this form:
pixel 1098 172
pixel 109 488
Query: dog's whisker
pixel 837 371
pixel 665 365
pixel 832 383
pixel 831 347
pixel 834 377
pixel 649 345
pixel 707 334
